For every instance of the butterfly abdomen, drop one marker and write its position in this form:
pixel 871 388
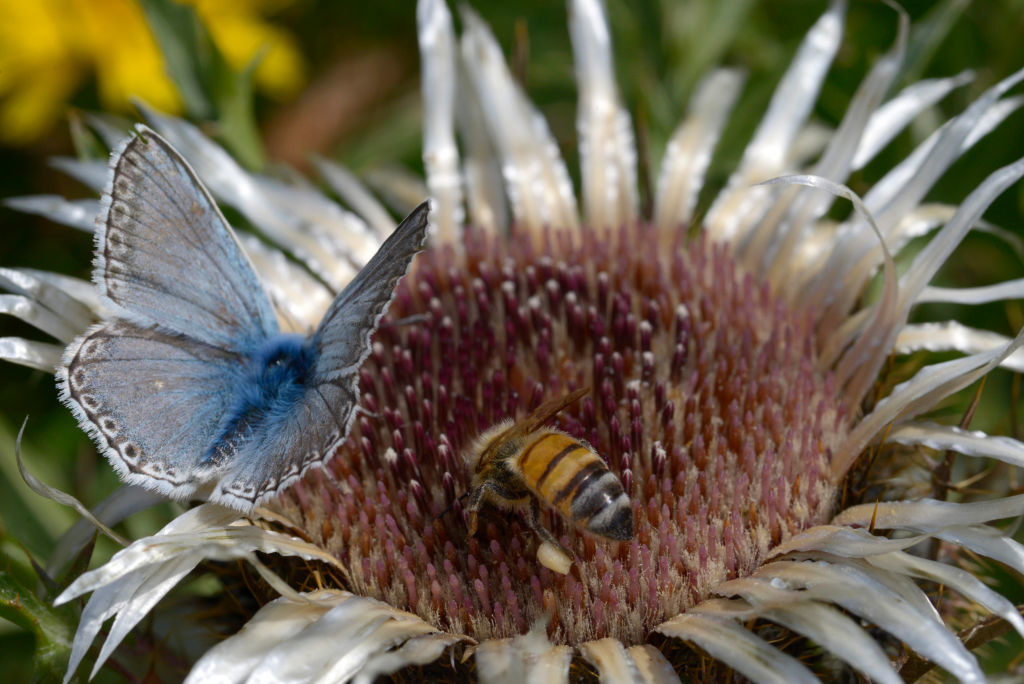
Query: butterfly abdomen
pixel 567 474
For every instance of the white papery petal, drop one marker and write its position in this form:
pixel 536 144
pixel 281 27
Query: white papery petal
pixel 529 657
pixel 107 127
pixel 937 251
pixel 873 600
pixel 39 355
pixel 91 173
pixel 688 152
pixel 732 644
pixel 607 148
pixel 485 187
pixel 653 666
pixel 536 179
pixel 920 393
pixel 354 193
pixel 176 537
pixel 986 541
pixel 31 312
pixel 344 234
pixel 400 189
pixel 236 657
pixel 951 335
pixel 107 601
pixel 838 634
pixel 81 290
pixel 739 206
pixel 137 577
pixel 775 239
pixel 419 650
pixel 301 298
pixel 80 214
pixel 1010 289
pixel 855 256
pixel 62 296
pixel 125 501
pixel 955 578
pixel 612 661
pixel 929 515
pixel 954 336
pixel 337 645
pixel 137 604
pixel 440 154
pixel 893 116
pixel 951 437
pixel 821 623
pixel 842 541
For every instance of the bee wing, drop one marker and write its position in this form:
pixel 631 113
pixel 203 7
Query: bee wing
pixel 532 422
pixel 545 411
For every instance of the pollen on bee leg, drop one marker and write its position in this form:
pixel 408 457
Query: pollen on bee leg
pixel 554 558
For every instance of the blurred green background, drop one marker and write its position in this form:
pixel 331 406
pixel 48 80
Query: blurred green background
pixel 343 81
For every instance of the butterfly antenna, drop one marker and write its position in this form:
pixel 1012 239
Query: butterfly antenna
pixel 451 505
pixel 367 412
pixel 408 320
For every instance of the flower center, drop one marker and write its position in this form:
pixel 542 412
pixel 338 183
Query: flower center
pixel 707 401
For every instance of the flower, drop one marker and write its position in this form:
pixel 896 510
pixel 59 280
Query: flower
pixel 738 388
pixel 48 48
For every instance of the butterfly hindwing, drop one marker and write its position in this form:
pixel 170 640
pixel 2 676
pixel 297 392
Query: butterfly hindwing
pixel 150 399
pixel 166 255
pixel 281 451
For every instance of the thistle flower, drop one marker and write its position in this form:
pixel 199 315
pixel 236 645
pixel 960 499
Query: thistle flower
pixel 739 381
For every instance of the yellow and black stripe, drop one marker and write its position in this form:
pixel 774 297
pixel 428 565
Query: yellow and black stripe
pixel 568 474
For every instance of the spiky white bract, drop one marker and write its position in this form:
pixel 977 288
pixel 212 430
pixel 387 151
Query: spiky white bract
pixel 329 636
pixel 508 165
pixel 137 577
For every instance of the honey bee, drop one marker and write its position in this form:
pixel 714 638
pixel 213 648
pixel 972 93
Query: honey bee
pixel 518 464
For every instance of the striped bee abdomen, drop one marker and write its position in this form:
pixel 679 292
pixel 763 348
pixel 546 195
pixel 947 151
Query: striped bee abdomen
pixel 568 475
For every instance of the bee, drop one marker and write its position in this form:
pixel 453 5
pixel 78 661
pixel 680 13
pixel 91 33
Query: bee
pixel 518 464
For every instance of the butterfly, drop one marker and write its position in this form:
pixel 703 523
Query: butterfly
pixel 189 386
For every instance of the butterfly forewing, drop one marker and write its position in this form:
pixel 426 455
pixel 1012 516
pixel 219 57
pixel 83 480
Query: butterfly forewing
pixel 342 339
pixel 166 255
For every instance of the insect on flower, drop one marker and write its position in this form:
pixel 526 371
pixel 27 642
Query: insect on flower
pixel 192 384
pixel 518 464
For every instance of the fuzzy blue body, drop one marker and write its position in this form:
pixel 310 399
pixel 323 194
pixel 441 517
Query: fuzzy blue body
pixel 269 388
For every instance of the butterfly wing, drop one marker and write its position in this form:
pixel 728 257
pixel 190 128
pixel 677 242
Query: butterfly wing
pixel 342 340
pixel 150 399
pixel 151 384
pixel 166 256
pixel 316 425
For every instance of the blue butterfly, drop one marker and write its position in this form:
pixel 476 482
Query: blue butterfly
pixel 190 386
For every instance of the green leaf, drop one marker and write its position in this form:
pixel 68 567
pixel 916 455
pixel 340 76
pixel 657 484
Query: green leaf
pixel 179 33
pixel 53 627
pixel 211 89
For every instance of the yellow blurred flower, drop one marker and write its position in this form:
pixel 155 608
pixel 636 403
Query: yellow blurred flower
pixel 48 47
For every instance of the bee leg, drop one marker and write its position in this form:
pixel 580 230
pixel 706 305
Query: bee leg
pixel 476 499
pixel 533 520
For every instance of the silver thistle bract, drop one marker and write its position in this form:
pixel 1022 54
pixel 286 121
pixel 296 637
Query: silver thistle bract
pixel 737 373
